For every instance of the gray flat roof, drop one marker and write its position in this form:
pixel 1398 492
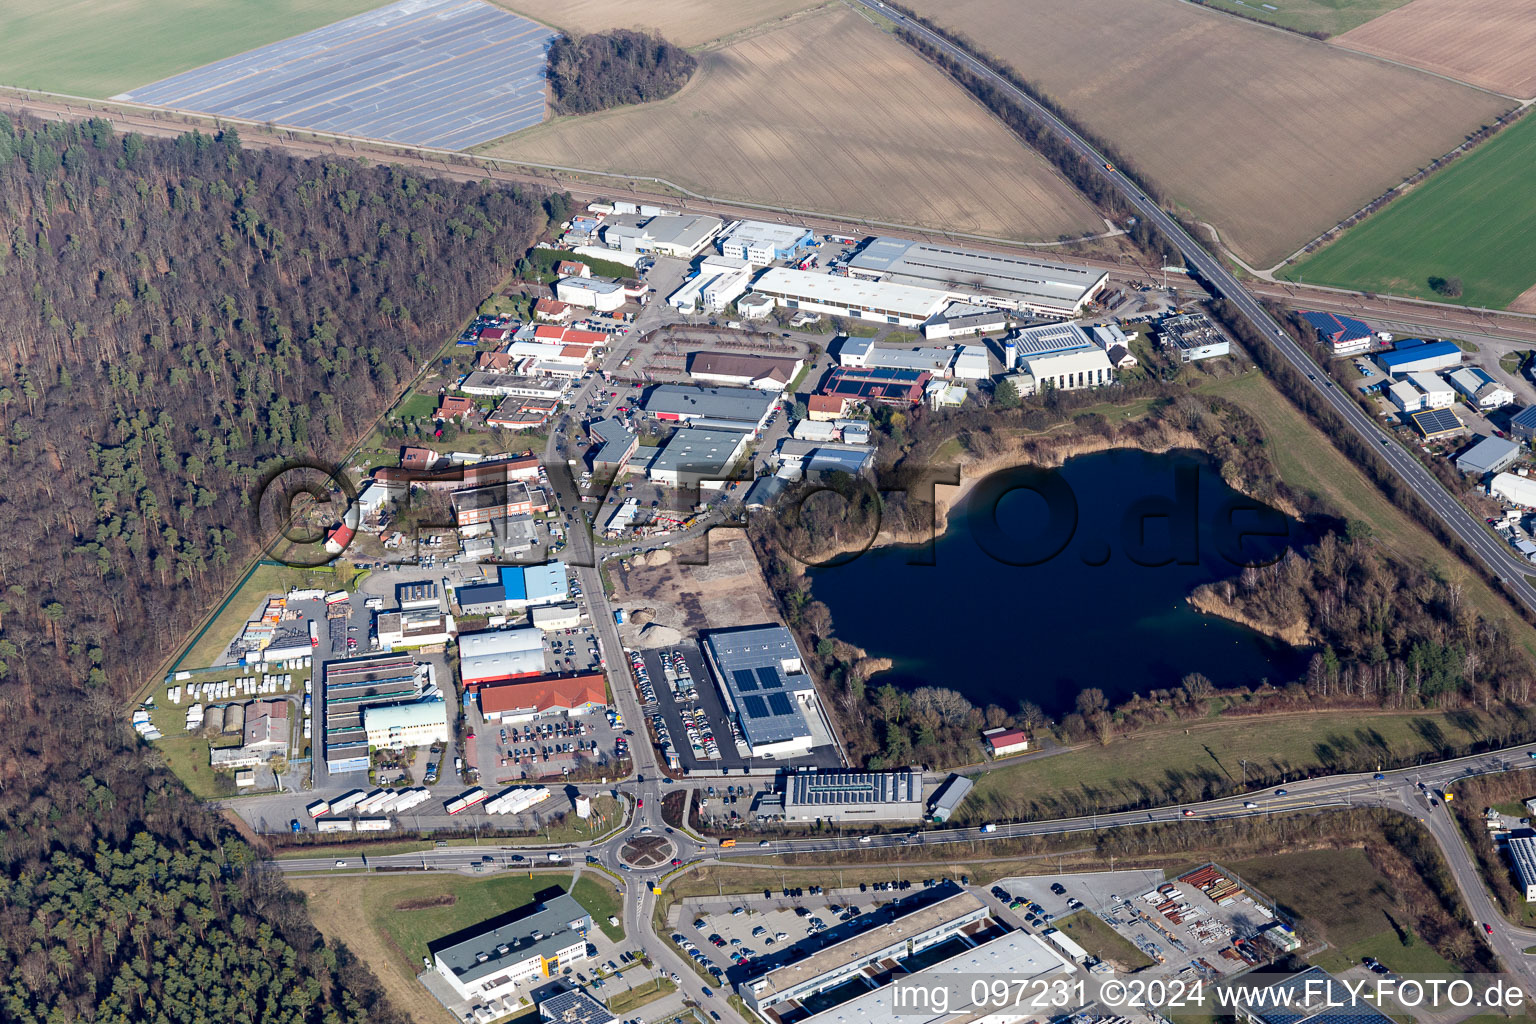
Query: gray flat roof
pixel 1050 338
pixel 747 406
pixel 840 789
pixel 948 267
pixel 758 233
pixel 443 73
pixel 509 939
pixel 750 662
pixel 700 451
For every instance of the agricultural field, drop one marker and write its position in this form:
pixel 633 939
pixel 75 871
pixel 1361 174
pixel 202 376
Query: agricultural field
pixel 103 47
pixel 1270 136
pixel 1487 43
pixel 1474 220
pixel 1320 18
pixel 827 113
pixel 684 22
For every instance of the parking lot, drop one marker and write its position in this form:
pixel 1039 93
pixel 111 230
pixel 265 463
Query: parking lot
pixel 542 749
pixel 1177 924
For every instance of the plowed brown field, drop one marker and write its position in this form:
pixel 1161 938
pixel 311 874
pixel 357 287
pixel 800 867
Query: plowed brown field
pixel 1270 136
pixel 1489 43
pixel 827 113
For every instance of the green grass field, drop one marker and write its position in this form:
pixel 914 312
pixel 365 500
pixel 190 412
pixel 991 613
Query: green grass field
pixel 595 893
pixel 1102 941
pixel 104 47
pixel 1474 220
pixel 1330 17
pixel 1176 760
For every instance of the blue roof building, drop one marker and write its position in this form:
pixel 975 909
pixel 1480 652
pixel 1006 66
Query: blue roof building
pixel 1425 357
pixel 528 585
pixel 1346 334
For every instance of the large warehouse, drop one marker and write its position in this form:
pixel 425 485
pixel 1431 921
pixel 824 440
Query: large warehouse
pixel 743 409
pixel 697 457
pixel 881 301
pixel 683 235
pixel 763 681
pixel 760 243
pixel 1068 371
pixel 523 700
pixel 1013 280
pixel 529 585
pixel 906 927
pixel 1415 356
pixel 353 687
pixel 487 961
pixel 720 281
pixel 500 655
pixel 397 726
pixel 854 797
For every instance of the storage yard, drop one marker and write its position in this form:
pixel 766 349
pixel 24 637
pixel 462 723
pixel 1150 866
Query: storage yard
pixel 442 73
pixel 1487 43
pixel 1272 137
pixel 826 112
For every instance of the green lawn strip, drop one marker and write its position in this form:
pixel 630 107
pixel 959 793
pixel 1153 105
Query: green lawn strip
pixel 598 899
pixel 1173 761
pixel 1474 221
pixel 474 900
pixel 1099 939
pixel 100 48
pixel 1329 17
pixel 1418 958
pixel 634 998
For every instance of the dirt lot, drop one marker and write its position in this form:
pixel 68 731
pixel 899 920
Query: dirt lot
pixel 684 22
pixel 1270 136
pixel 826 113
pixel 1488 43
pixel 729 590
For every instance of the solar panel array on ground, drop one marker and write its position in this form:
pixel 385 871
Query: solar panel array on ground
pixel 443 73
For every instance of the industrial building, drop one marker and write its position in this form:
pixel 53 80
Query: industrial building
pixel 498 655
pixel 417 596
pixel 760 243
pixel 1415 356
pixel 847 386
pixel 697 457
pixel 854 797
pixel 1437 393
pixel 863 353
pixel 802 457
pixel 765 688
pixel 488 384
pixel 487 961
pixel 683 235
pixel 352 687
pixel 1312 996
pixel 743 369
pixel 1517 490
pixel 1344 334
pixel 949 797
pixel 879 301
pixel 1044 340
pixel 753 306
pixel 600 293
pixel 719 281
pixel 1193 336
pixel 743 409
pixel 1490 455
pixel 1013 280
pixel 1406 397
pixel 524 700
pixel 1522 851
pixel 481 599
pixel 615 444
pixel 1017 956
pixel 1069 371
pixel 528 585
pixel 1523 423
pixel 551 618
pixel 963 319
pixel 397 726
pixel 574 1006
pixel 481 505
pixel 1434 424
pixel 971 363
pixel 1479 388
pixel 422 628
pixel 908 926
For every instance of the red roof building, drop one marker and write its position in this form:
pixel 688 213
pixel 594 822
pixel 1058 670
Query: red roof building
pixel 493 334
pixel 570 268
pixel 528 698
pixel 496 362
pixel 338 537
pixel 552 310
pixel 1004 741
pixel 452 406
pixel 417 458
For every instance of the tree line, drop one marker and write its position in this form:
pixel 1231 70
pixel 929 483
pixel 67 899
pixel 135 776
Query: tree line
pixel 610 69
pixel 179 318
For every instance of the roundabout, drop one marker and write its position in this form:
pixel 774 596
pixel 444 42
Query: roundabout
pixel 645 851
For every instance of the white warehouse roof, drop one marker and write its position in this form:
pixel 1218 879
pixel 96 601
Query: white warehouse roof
pixel 901 299
pixel 1017 279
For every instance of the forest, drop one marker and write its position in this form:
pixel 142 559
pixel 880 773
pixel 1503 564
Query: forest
pixel 594 72
pixel 178 319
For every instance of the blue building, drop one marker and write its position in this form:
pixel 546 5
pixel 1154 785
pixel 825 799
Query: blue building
pixel 1347 335
pixel 1419 357
pixel 529 585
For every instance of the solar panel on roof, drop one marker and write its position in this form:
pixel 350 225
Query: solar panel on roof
pixel 779 704
pixel 745 681
pixel 770 679
pixel 755 706
pixel 1433 420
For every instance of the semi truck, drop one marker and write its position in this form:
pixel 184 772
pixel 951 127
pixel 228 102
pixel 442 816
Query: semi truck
pixel 314 633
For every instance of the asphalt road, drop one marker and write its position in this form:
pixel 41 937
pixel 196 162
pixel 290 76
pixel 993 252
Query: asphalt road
pixel 1467 527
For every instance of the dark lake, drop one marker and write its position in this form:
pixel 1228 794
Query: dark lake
pixel 1049 582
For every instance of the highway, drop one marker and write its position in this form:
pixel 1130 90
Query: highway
pixel 1220 281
